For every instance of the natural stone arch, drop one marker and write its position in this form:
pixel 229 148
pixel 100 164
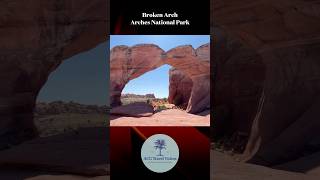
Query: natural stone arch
pixel 127 63
pixel 34 43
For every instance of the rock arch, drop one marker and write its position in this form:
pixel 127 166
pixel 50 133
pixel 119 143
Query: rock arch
pixel 127 63
pixel 33 44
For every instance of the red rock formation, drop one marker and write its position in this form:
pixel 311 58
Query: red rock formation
pixel 238 83
pixel 180 87
pixel 283 37
pixel 35 38
pixel 127 63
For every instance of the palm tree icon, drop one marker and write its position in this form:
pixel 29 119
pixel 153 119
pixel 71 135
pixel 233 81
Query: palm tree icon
pixel 160 144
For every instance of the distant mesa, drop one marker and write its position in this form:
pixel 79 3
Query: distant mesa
pixel 129 95
pixel 59 107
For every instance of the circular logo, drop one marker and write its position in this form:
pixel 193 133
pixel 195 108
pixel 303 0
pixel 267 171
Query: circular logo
pixel 159 153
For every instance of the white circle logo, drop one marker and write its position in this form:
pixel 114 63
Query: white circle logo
pixel 159 153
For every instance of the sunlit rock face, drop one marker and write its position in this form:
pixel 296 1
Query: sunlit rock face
pixel 127 63
pixel 35 38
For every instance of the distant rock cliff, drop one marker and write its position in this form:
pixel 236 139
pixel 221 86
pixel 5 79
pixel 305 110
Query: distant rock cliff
pixel 137 96
pixel 59 107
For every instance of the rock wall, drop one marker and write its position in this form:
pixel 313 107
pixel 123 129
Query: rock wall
pixel 127 63
pixel 284 38
pixel 180 87
pixel 238 83
pixel 35 38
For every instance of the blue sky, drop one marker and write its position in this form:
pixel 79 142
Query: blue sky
pixel 156 81
pixel 82 78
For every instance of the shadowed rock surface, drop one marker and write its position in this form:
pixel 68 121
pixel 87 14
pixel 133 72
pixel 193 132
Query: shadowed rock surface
pixel 35 38
pixel 268 51
pixel 180 87
pixel 137 109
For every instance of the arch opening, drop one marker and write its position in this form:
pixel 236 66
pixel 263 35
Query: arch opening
pixel 164 87
pixel 75 95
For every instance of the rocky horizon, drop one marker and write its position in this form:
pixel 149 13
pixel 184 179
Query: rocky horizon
pixel 132 95
pixel 59 107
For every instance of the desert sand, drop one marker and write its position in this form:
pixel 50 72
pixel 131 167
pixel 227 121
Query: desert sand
pixel 224 167
pixel 82 154
pixel 169 117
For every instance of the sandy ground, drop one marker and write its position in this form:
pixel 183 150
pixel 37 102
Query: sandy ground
pixel 170 117
pixel 83 153
pixel 223 167
pixel 309 164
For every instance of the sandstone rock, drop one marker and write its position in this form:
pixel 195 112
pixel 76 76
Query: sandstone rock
pixel 137 109
pixel 180 87
pixel 283 37
pixel 288 106
pixel 238 82
pixel 35 38
pixel 268 24
pixel 127 63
